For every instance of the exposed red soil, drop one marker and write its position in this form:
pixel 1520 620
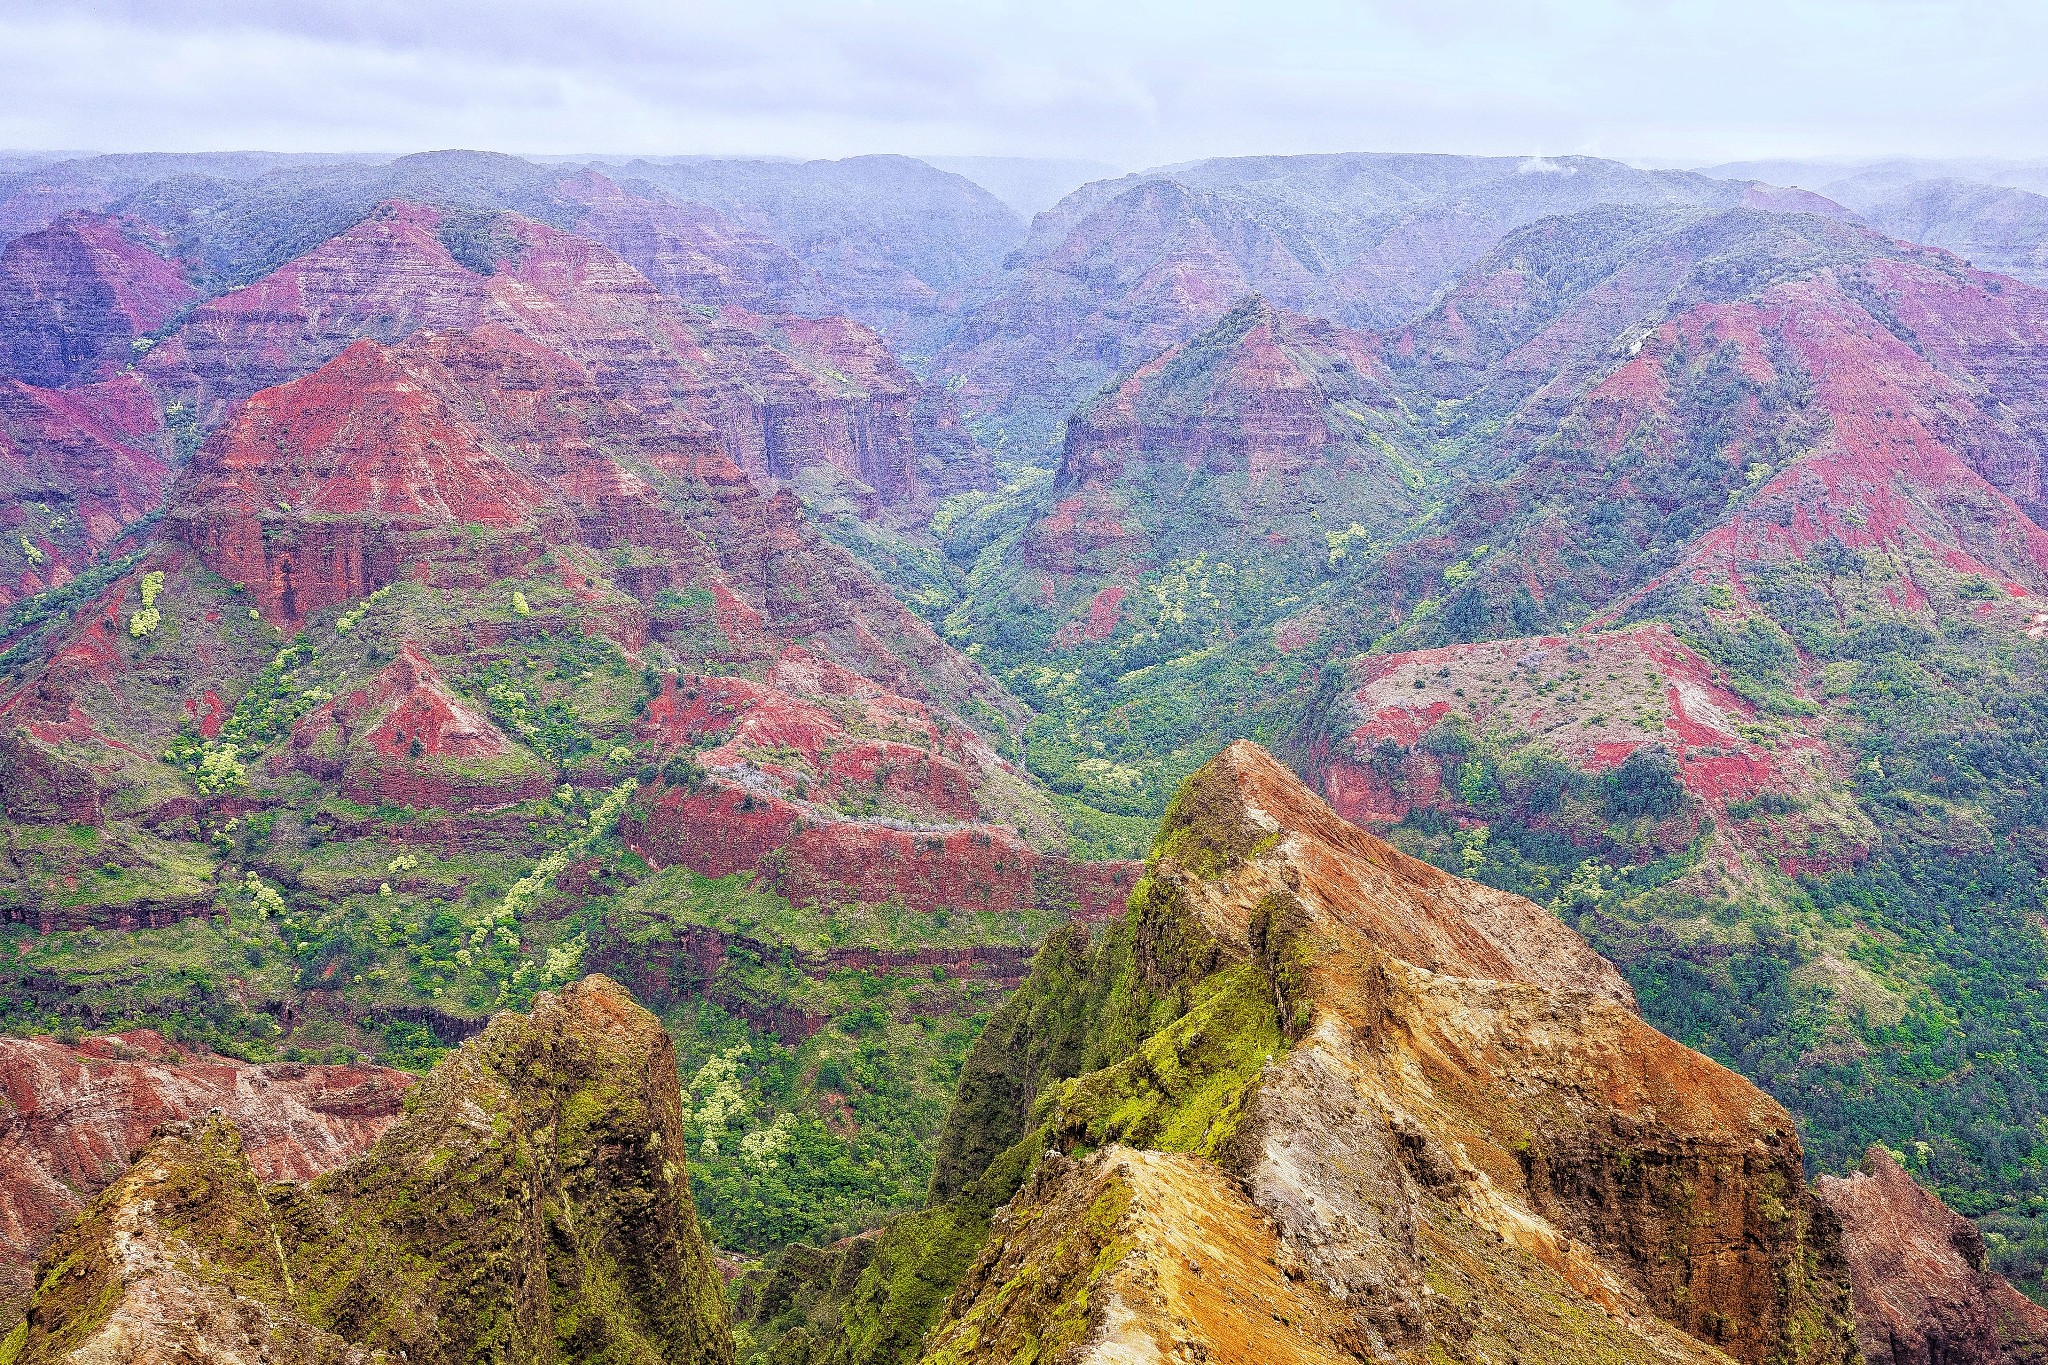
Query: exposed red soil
pixel 402 740
pixel 75 296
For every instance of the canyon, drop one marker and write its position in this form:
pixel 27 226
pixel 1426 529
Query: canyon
pixel 799 590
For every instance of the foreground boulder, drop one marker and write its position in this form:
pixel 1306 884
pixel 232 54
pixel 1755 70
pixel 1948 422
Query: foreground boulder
pixel 1343 1105
pixel 1923 1295
pixel 531 1205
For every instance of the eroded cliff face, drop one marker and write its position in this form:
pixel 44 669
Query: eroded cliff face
pixel 782 395
pixel 531 1204
pixel 78 468
pixel 1923 1295
pixel 1428 1103
pixel 76 296
pixel 76 1115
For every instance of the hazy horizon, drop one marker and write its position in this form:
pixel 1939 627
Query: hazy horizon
pixel 1673 82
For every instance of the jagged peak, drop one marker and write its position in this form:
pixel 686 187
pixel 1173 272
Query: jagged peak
pixel 1257 348
pixel 546 1155
pixel 1245 828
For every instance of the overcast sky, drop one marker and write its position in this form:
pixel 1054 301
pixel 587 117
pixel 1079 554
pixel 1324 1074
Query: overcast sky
pixel 1132 82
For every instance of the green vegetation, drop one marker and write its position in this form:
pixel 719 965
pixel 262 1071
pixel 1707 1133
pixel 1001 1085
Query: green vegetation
pixel 814 1087
pixel 29 622
pixel 1887 993
pixel 1147 1034
pixel 148 618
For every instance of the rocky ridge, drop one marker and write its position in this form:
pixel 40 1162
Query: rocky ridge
pixel 77 1114
pixel 1122 269
pixel 1419 1119
pixel 531 1202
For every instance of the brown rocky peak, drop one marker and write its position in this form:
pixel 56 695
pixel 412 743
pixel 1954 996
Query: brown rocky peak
pixel 1923 1295
pixel 530 1204
pixel 78 1113
pixel 1251 831
pixel 1429 1104
pixel 1203 1265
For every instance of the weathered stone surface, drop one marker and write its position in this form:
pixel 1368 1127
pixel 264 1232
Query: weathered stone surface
pixel 1136 1255
pixel 1923 1295
pixel 1459 1137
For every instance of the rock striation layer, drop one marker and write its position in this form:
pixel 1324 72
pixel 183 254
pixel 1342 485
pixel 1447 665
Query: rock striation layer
pixel 76 297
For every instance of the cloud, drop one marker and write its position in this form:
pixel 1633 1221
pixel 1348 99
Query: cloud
pixel 1136 82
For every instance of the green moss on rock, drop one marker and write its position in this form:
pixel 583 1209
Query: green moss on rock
pixel 531 1204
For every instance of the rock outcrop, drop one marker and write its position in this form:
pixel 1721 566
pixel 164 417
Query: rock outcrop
pixel 76 1115
pixel 531 1204
pixel 1408 1118
pixel 405 739
pixel 1923 1295
pixel 781 395
pixel 1164 1249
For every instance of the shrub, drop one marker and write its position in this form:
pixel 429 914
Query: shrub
pixel 147 620
pixel 1645 783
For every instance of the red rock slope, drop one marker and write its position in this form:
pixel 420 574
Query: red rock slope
pixel 1592 700
pixel 1923 1296
pixel 78 467
pixel 76 296
pixel 781 395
